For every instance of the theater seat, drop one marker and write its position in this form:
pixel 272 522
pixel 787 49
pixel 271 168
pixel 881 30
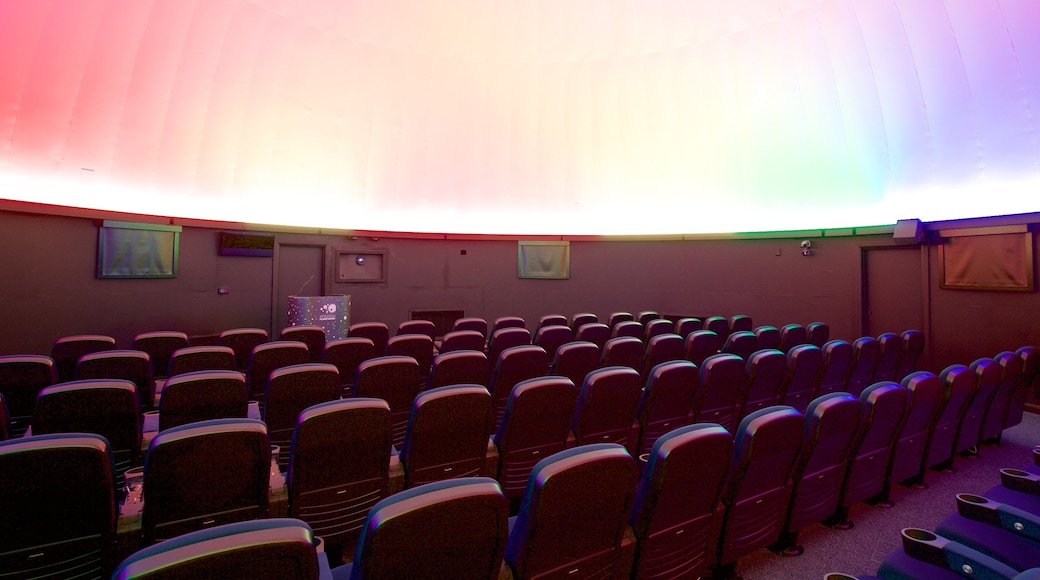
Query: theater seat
pixel 312 336
pixel 203 395
pixel 925 405
pixel 623 351
pixel 701 344
pixel 665 402
pixel 22 377
pixel 741 343
pixel 160 346
pixel 515 364
pixel 721 391
pixel 913 347
pixel 289 391
pixel 1011 370
pixel 347 354
pixel 462 340
pixel 890 354
pixel 834 368
pixel 377 332
pixel 242 341
pixel 391 378
pixel 958 384
pixel 803 366
pixel 67 350
pixel 460 367
pixel 865 353
pixel 765 370
pixel 574 360
pixel 606 408
pixel 131 365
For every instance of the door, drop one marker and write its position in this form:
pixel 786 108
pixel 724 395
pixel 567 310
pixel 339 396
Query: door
pixel 300 272
pixel 893 285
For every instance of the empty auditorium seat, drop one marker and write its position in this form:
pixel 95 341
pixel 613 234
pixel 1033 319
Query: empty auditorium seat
pixel 741 343
pixel 926 404
pixel 913 347
pixel 346 354
pixel 1011 368
pixel 574 360
pixel 462 340
pixel 269 357
pixel 628 328
pixel 865 353
pixel 425 327
pixel 767 337
pixel 312 336
pixel 461 367
pixel 242 341
pixel 504 338
pixel 624 351
pixel 417 346
pixel 5 419
pixel 958 384
pixel 684 326
pixel 834 368
pixel 131 365
pixel 677 510
pixel 890 354
pixel 1030 373
pixel 289 391
pixel 721 391
pixel 928 556
pixel 471 323
pixel 719 325
pixel 656 326
pixel 377 332
pixel 391 378
pixel 160 346
pixel 617 317
pixel 201 358
pixel 701 344
pixel 740 323
pixel 552 337
pixel 803 367
pixel 817 333
pixel 203 395
pixel 661 348
pixel 987 378
pixel 580 318
pixel 574 515
pixel 665 402
pixel 508 322
pixel 791 335
pixel 765 371
pixel 553 320
pixel 645 316
pixel 22 377
pixel 515 364
pixel 447 435
pixel 595 332
pixel 606 407
pixel 67 350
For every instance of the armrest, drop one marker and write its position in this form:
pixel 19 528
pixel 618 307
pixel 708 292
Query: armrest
pixel 1018 480
pixel 938 551
pixel 1010 518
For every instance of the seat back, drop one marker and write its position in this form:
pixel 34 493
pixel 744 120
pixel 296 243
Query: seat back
pixel 132 365
pixel 765 371
pixel 206 473
pixel 622 351
pixel 580 318
pixel 203 395
pixel 684 326
pixel 834 368
pixel 535 425
pixel 700 344
pixel 312 336
pixel 1030 366
pixel 791 335
pixel 5 420
pixel 1011 367
pixel 741 343
pixel 201 358
pixel 22 377
pixel 767 337
pixel 659 349
pixel 462 340
pixel 595 332
pixel 645 316
pixel 721 392
pixel 447 435
pixel 106 407
pixel 461 367
pixel 553 337
pixel 618 317
pixel 925 405
pixel 553 320
pixel 803 366
pixel 574 360
pixel 628 328
pixel 453 528
pixel 515 364
pixel 160 346
pixel 504 338
pixel 391 378
pixel 290 390
pixel 266 549
pixel 417 346
pixel 890 354
pixel 958 385
pixel 883 408
pixel 242 341
pixel 818 333
pixel 377 332
pixel 740 323
pixel 677 512
pixel 765 446
pixel 269 357
pixel 346 354
pixel 574 513
pixel 913 347
pixel 657 326
pixel 426 327
pixel 58 502
pixel 987 377
pixel 67 351
pixel 865 353
pixel 665 402
pixel 606 407
pixel 471 323
pixel 719 325
pixel 339 467
pixel 508 322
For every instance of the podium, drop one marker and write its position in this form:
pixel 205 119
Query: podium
pixel 329 312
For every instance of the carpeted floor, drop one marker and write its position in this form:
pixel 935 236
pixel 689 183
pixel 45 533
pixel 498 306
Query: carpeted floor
pixel 876 530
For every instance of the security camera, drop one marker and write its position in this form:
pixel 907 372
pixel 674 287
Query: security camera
pixel 806 244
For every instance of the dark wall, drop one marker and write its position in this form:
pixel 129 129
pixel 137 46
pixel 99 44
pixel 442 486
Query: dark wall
pixel 48 286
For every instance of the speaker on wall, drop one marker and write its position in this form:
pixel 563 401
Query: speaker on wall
pixel 909 232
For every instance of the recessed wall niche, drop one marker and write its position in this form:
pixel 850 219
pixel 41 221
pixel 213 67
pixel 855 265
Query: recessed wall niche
pixel 367 266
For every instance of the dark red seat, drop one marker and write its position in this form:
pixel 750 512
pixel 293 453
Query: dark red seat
pixel 504 338
pixel 987 378
pixel 791 335
pixel 684 326
pixel 377 332
pixel 817 333
pixel 623 351
pixel 661 348
pixel 655 327
pixel 553 337
pixel 312 336
pixel 958 384
pixel 631 328
pixel 767 337
pixel 834 368
pixel 417 346
pixel 740 323
pixel 67 351
pixel 346 354
pixel 515 364
pixel 865 353
pixel 553 320
pixel 606 408
pixel 269 357
pixel 391 378
pixel 595 332
pixel 132 365
pixel 581 318
pixel 242 341
pixel 926 400
pixel 721 391
pixel 462 340
pixel 890 353
pixel 203 395
pixel 719 325
pixel 913 347
pixel 22 377
pixel 289 391
pixel 741 343
pixel 701 344
pixel 160 346
pixel 665 402
pixel 202 358
pixel 460 367
pixel 1011 370
pixel 803 367
pixel 574 360
pixel 425 327
pixel 765 371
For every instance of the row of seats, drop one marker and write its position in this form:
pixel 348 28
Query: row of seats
pixel 992 535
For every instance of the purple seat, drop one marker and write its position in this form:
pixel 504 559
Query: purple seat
pixel 5 420
pixel 624 351
pixel 890 353
pixel 701 344
pixel 504 338
pixel 574 360
pixel 339 468
pixel 289 391
pixel 740 323
pixel 665 402
pixel 471 323
pixel 628 328
pixel 865 353
pixel 719 325
pixel 958 384
pixel 767 337
pixel 817 333
pixel 741 343
pixel 242 341
pixel 1030 374
pixel 508 322
pixel 132 365
pixel 184 462
pixel 831 423
pixel 425 327
pixel 987 378
pixel 22 377
pixel 595 332
pixel 883 408
pixel 803 366
pixel 645 316
pixel 617 317
pixel 655 327
pixel 684 326
pixel 202 358
pixel 67 351
pixel 677 510
pixel 553 320
pixel 447 436
pixel 160 346
pixel 460 367
pixel 765 371
pixel 346 354
pixel 552 337
pixel 516 364
pixel 377 332
pixel 996 529
pixel 926 401
pixel 407 534
pixel 757 496
pixel 574 514
pixel 462 340
pixel 927 556
pixel 312 336
pixel 417 346
pixel 1011 368
pixel 913 347
pixel 391 378
pixel 203 395
pixel 659 349
pixel 721 391
pixel 269 357
pixel 582 318
pixel 606 408
pixel 536 424
pixel 791 335
pixel 834 368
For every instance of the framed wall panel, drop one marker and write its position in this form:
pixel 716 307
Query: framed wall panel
pixel 988 259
